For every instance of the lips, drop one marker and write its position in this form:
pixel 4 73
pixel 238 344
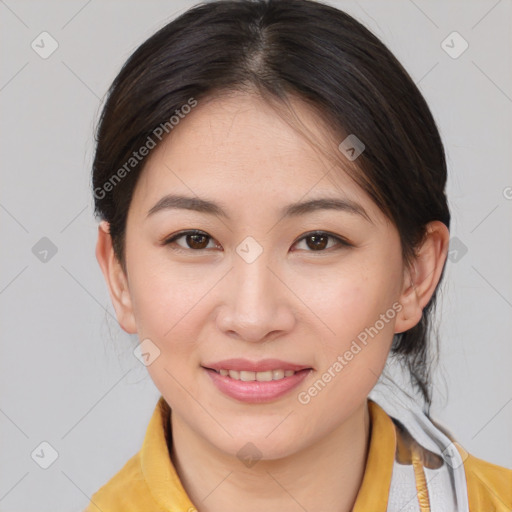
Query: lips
pixel 255 391
pixel 256 381
pixel 264 365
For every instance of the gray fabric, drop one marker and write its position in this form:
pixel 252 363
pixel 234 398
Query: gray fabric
pixel 450 479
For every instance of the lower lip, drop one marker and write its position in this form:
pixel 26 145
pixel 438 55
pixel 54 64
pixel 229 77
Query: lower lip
pixel 257 391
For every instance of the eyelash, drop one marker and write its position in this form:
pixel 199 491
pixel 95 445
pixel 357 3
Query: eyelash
pixel 341 241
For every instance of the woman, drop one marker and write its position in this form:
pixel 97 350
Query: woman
pixel 274 225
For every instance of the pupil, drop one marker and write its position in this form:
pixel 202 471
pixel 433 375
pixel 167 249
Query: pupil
pixel 195 244
pixel 317 242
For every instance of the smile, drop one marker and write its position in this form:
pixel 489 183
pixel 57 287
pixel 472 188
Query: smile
pixel 247 376
pixel 256 387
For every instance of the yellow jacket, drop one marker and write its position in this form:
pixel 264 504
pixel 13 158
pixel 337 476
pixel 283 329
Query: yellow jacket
pixel 149 482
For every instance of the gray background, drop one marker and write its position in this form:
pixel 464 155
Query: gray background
pixel 68 374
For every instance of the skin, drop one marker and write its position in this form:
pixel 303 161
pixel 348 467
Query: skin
pixel 293 303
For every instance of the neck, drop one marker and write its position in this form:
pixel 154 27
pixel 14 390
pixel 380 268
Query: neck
pixel 325 476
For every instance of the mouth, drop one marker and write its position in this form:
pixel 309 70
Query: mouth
pixel 248 376
pixel 251 382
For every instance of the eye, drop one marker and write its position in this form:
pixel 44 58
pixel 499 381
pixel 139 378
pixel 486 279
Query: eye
pixel 194 239
pixel 318 241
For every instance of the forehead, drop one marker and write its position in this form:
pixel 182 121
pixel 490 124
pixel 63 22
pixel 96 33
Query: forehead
pixel 238 145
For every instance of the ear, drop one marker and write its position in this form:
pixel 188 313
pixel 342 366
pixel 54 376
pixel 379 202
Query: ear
pixel 422 277
pixel 115 278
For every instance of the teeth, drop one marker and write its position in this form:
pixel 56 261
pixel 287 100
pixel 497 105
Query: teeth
pixel 277 374
pixel 257 376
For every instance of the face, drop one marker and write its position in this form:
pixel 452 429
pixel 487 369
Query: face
pixel 317 288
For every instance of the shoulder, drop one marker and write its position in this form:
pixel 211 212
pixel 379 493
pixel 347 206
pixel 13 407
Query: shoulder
pixel 126 491
pixel 489 485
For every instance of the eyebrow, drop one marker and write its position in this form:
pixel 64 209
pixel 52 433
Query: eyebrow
pixel 173 201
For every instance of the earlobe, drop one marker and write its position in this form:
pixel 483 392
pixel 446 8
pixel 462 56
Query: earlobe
pixel 115 279
pixel 422 277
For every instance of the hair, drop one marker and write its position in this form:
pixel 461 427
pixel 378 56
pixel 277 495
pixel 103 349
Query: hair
pixel 280 49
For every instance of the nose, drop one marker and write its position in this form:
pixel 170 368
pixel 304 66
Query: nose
pixel 257 303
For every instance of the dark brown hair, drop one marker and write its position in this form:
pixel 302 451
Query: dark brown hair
pixel 284 48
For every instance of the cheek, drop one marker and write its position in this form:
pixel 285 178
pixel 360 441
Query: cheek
pixel 357 306
pixel 358 314
pixel 163 295
pixel 351 298
pixel 167 310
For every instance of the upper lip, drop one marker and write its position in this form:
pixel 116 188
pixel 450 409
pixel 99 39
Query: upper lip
pixel 263 365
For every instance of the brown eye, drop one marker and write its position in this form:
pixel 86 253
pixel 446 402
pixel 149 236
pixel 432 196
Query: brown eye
pixel 196 241
pixel 319 241
pixel 193 240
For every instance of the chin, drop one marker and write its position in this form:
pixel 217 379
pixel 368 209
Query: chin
pixel 250 449
pixel 264 439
